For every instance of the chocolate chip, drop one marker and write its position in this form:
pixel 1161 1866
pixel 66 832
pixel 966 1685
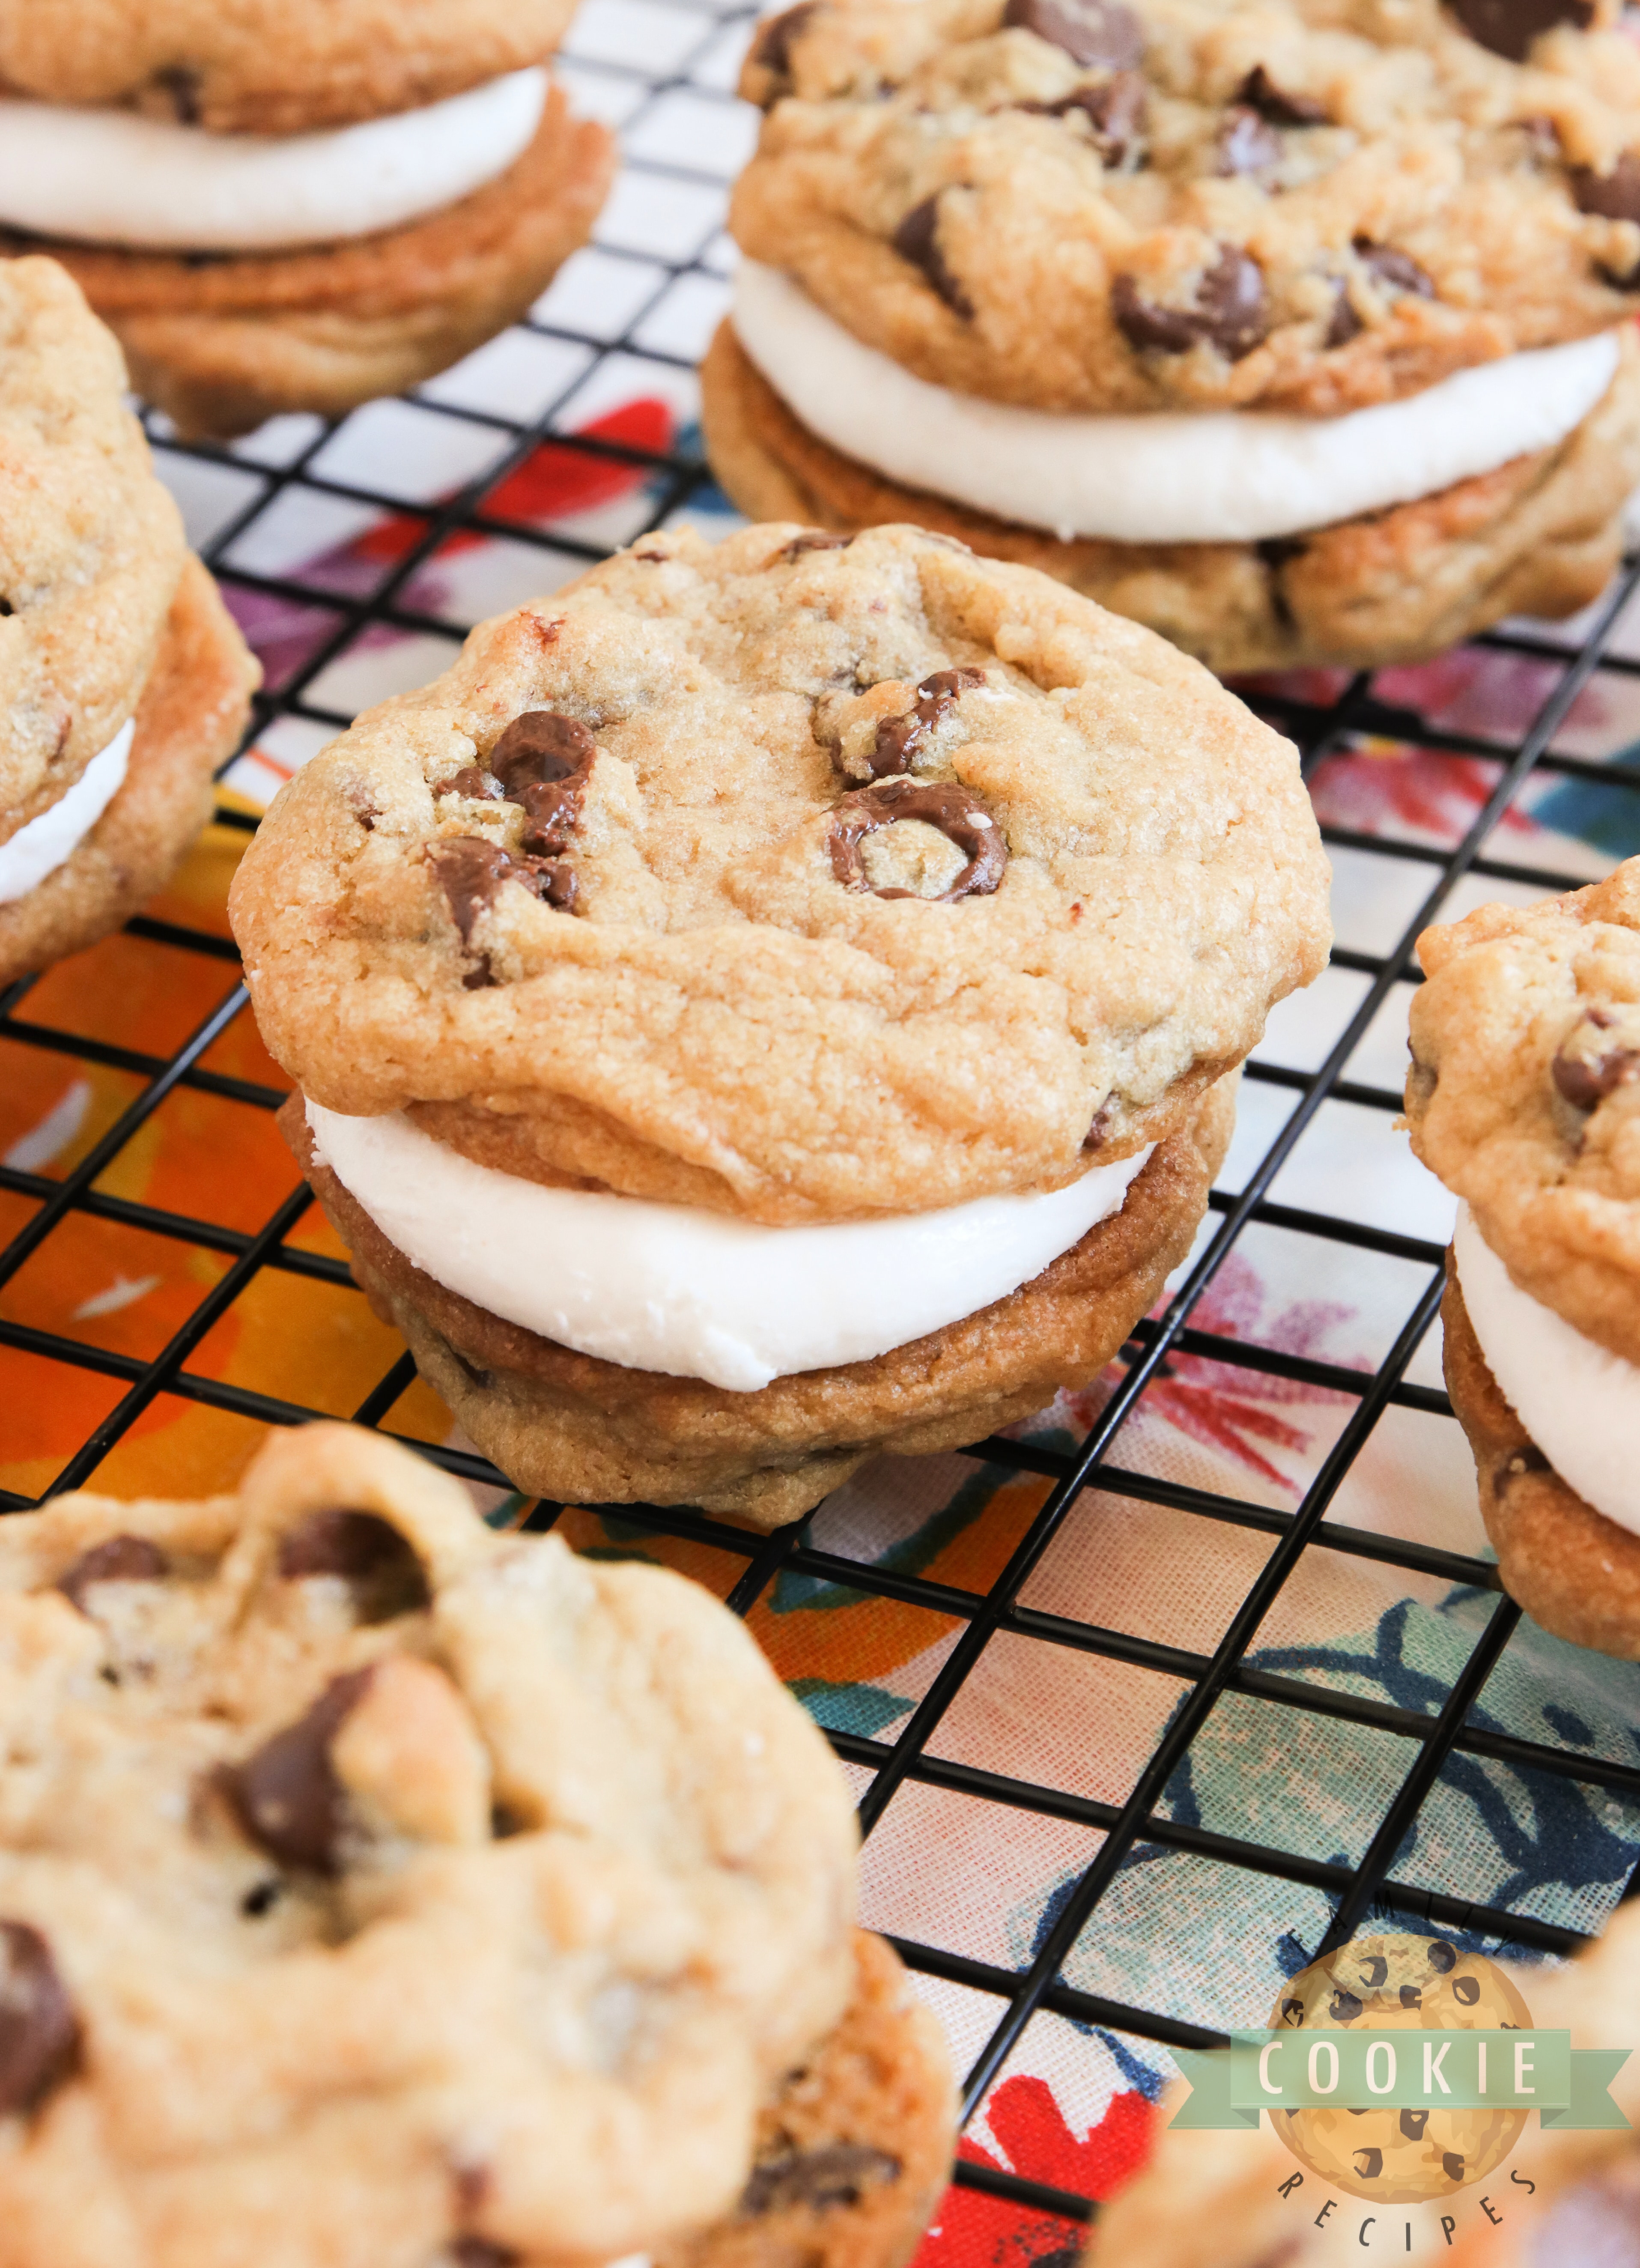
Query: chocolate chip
pixel 478 2251
pixel 1260 93
pixel 1413 2124
pixel 261 1898
pixel 1292 2011
pixel 1467 1989
pixel 39 2033
pixel 473 780
pixel 1369 2163
pixel 122 1560
pixel 959 817
pixel 1244 143
pixel 471 871
pixel 1344 2007
pixel 1508 27
pixel 771 49
pixel 898 738
pixel 812 538
pixel 1098 1126
pixel 1410 1997
pixel 917 240
pixel 1452 2161
pixel 1586 1075
pixel 377 1563
pixel 181 87
pixel 837 2174
pixel 1114 109
pixel 541 746
pixel 1231 311
pixel 288 1797
pixel 1374 1972
pixel 1392 270
pixel 1612 196
pixel 1088 31
pixel 1443 1957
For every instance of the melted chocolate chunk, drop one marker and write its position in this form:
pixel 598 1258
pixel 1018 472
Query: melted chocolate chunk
pixel 1244 143
pixel 1260 91
pixel 1088 31
pixel 898 738
pixel 122 1560
pixel 471 871
pixel 961 817
pixel 287 1796
pixel 1345 324
pixel 1612 196
pixel 39 2033
pixel 181 87
pixel 772 47
pixel 473 780
pixel 478 2251
pixel 1232 311
pixel 377 1563
pixel 837 2174
pixel 1452 2162
pixel 1413 2124
pixel 1410 1997
pixel 541 746
pixel 1344 2007
pixel 1586 1075
pixel 1369 2163
pixel 917 240
pixel 1114 109
pixel 1392 270
pixel 1508 27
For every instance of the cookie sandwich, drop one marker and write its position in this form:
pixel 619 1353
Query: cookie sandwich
pixel 1524 1097
pixel 774 1002
pixel 382 1892
pixel 1298 332
pixel 293 204
pixel 123 682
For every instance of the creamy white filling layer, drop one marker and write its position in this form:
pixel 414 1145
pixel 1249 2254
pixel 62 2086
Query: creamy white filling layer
pixel 694 1293
pixel 1213 476
pixel 1579 1402
pixel 46 843
pixel 110 177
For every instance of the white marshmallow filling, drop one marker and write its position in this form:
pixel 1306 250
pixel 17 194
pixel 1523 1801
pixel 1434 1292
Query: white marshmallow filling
pixel 1208 476
pixel 110 177
pixel 1580 1402
pixel 690 1292
pixel 51 838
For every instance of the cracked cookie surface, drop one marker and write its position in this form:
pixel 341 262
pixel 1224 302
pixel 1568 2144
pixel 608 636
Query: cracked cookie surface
pixel 1083 205
pixel 379 1890
pixel 715 1013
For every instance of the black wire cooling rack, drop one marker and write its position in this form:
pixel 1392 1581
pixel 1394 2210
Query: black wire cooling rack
pixel 700 48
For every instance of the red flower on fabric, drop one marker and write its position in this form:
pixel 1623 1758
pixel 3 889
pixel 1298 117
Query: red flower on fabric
pixel 974 2230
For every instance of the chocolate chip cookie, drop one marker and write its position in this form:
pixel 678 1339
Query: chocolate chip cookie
pixel 1024 240
pixel 376 1888
pixel 772 1000
pixel 125 682
pixel 1526 1042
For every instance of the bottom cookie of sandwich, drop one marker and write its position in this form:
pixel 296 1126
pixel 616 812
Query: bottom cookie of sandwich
pixel 575 1428
pixel 1574 1571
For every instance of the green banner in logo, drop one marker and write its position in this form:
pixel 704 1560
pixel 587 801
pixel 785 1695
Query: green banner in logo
pixel 1401 2070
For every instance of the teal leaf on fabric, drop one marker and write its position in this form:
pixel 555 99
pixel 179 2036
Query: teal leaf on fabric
pixel 863 1709
pixel 794 1593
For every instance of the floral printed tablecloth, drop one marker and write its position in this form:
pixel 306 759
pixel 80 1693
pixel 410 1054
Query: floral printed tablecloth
pixel 1178 1934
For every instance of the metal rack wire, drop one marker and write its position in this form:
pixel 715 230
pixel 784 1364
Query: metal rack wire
pixel 701 48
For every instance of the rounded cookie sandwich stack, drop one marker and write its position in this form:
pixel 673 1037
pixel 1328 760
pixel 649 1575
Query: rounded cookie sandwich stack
pixel 123 682
pixel 1295 331
pixel 1524 1096
pixel 772 1002
pixel 381 1892
pixel 293 204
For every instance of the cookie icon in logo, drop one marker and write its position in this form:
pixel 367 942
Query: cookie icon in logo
pixel 1406 1984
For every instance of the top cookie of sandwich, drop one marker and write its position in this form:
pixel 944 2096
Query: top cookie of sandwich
pixel 372 1884
pixel 268 66
pixel 1109 205
pixel 1523 1093
pixel 90 544
pixel 802 879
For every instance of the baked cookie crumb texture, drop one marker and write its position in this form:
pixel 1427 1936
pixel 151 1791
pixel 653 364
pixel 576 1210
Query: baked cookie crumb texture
pixel 297 1754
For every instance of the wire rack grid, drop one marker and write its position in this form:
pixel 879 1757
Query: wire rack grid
pixel 441 473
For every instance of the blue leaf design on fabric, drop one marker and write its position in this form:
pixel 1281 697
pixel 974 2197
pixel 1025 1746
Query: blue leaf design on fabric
pixel 863 1709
